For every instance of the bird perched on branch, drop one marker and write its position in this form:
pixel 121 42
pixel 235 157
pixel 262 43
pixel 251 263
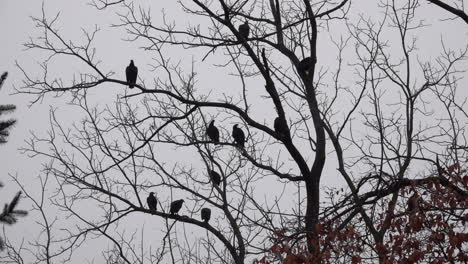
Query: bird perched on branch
pixel 175 206
pixel 206 214
pixel 305 65
pixel 152 202
pixel 244 30
pixel 281 128
pixel 131 72
pixel 215 177
pixel 413 203
pixel 238 135
pixel 213 132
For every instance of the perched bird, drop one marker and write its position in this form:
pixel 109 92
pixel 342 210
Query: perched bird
pixel 131 73
pixel 413 203
pixel 215 177
pixel 175 206
pixel 281 128
pixel 238 135
pixel 213 132
pixel 152 202
pixel 305 64
pixel 206 214
pixel 244 30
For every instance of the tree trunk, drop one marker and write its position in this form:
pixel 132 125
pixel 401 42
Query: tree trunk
pixel 311 219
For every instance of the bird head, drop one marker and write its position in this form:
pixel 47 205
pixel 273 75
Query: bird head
pixel 131 62
pixel 212 122
pixel 181 200
pixel 246 23
pixel 234 126
pixel 152 193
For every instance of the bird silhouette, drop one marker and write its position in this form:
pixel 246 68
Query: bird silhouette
pixel 131 72
pixel 238 135
pixel 175 206
pixel 213 132
pixel 152 202
pixel 244 30
pixel 206 214
pixel 413 203
pixel 281 128
pixel 305 65
pixel 215 177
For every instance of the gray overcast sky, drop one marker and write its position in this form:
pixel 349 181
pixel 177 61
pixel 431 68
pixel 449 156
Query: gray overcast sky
pixel 16 27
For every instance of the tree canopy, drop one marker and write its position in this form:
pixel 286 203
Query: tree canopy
pixel 353 116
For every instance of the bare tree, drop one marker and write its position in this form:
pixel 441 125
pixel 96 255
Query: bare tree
pixel 367 118
pixel 457 8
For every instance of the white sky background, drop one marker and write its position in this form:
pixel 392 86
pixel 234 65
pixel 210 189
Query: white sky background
pixel 16 27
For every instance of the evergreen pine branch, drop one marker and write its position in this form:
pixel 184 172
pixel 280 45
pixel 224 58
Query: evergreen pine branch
pixel 9 214
pixel 5 124
pixel 7 108
pixel 3 78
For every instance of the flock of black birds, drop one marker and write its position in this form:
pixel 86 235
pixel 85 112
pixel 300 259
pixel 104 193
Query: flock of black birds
pixel 131 72
pixel 213 134
pixel 280 126
pixel 176 206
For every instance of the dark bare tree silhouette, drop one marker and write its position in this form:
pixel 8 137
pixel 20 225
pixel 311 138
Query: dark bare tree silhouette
pixel 364 108
pixel 453 9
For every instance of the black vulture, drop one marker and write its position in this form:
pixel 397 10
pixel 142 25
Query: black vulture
pixel 152 202
pixel 206 214
pixel 413 203
pixel 238 135
pixel 131 73
pixel 213 132
pixel 175 206
pixel 244 30
pixel 215 177
pixel 305 64
pixel 281 128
